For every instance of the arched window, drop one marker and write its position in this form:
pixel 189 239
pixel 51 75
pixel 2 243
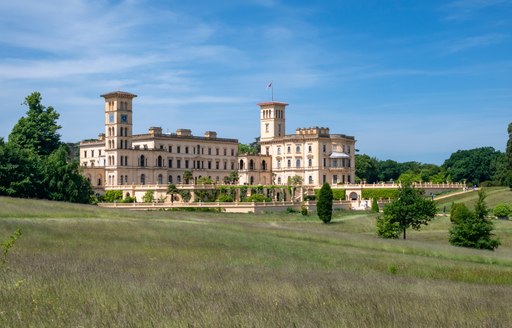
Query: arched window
pixel 178 179
pixel 241 164
pixel 263 165
pixel 169 180
pixel 252 180
pixel 160 179
pixel 142 179
pixel 159 161
pixel 251 165
pixel 142 160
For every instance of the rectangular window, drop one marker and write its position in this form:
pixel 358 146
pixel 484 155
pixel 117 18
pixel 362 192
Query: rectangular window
pixel 209 151
pixel 279 150
pixel 225 165
pixel 170 163
pixel 310 162
pixel 179 149
pixel 209 165
pixel 225 152
pixel 334 162
pixel 216 165
pixel 288 149
pixel 92 153
pixel 232 165
pixel 267 150
pixel 99 152
pixel 297 149
pixel 178 163
pixel 297 163
pixel 186 163
pixel 289 163
pixel 310 179
pixel 278 164
pixel 324 179
pixel 186 150
pixel 85 153
pixel 325 162
pixel 324 148
pixel 348 149
pixel 232 152
pixel 217 151
pixel 310 148
pixel 170 148
pixel 334 179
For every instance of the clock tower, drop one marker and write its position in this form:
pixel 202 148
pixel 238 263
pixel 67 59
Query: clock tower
pixel 118 120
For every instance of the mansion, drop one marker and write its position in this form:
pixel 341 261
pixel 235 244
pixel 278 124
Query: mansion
pixel 135 163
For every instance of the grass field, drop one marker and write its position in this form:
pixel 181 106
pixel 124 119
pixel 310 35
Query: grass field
pixel 83 266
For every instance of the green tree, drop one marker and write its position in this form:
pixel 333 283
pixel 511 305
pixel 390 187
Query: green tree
pixel 472 228
pixel 149 196
pixel 389 170
pixel 187 176
pixel 172 190
pixel 38 130
pixel 205 180
pixel 62 178
pixel 20 172
pixel 409 209
pixel 367 168
pixel 112 196
pixel 232 178
pixel 475 165
pixel 375 205
pixel 324 203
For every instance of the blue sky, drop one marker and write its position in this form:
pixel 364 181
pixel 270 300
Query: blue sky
pixel 411 80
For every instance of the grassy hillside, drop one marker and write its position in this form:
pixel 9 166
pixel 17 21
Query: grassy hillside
pixel 86 266
pixel 495 195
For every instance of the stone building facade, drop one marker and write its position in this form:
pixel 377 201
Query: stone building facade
pixel 120 160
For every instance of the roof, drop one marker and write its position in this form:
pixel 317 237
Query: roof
pixel 338 155
pixel 121 94
pixel 272 103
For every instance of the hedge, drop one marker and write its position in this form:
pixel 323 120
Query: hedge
pixel 379 193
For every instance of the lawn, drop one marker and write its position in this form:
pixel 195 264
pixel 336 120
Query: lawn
pixel 83 266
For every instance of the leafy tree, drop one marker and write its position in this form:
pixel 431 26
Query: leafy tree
pixel 409 177
pixel 375 205
pixel 367 168
pixel 63 180
pixel 38 130
pixel 205 180
pixel 502 211
pixel 232 178
pixel 472 228
pixel 112 196
pixel 149 196
pixel 187 176
pixel 509 146
pixel 475 165
pixel 389 170
pixel 324 203
pixel 171 190
pixel 248 149
pixel 409 209
pixel 387 228
pixel 20 172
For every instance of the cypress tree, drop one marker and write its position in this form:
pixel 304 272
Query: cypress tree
pixel 324 204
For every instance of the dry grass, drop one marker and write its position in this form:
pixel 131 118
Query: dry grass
pixel 80 266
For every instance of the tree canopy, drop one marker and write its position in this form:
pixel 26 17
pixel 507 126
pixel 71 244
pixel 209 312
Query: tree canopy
pixel 35 163
pixel 475 165
pixel 410 209
pixel 324 203
pixel 38 130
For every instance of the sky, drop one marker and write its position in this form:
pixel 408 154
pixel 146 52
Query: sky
pixel 411 80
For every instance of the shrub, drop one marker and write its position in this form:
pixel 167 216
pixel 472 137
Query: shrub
pixel 338 194
pixel 502 211
pixel 112 196
pixel 386 228
pixel 324 204
pixel 258 198
pixel 304 210
pixel 225 198
pixel 379 193
pixel 472 228
pixel 149 196
pixel 375 205
pixel 129 199
pixel 310 197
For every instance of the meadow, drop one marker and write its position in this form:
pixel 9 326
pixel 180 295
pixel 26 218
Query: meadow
pixel 84 266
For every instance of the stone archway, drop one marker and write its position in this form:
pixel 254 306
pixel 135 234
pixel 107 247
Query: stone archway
pixel 353 196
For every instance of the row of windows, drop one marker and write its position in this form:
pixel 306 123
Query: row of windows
pixel 120 105
pixel 92 153
pixel 298 148
pixel 267 113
